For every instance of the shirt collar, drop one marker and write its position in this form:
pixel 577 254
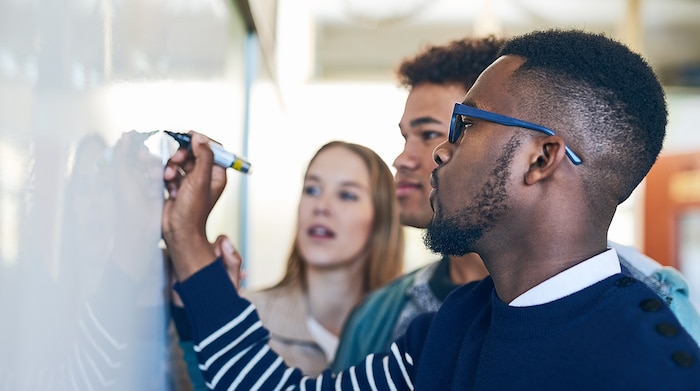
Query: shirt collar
pixel 326 340
pixel 571 280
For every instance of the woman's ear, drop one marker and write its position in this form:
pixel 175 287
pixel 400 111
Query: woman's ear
pixel 547 155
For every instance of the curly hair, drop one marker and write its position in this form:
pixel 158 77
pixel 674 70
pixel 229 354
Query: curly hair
pixel 458 62
pixel 604 99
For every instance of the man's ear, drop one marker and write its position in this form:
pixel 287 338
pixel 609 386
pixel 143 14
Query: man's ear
pixel 548 153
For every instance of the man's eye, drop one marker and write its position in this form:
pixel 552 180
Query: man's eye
pixel 431 135
pixel 465 124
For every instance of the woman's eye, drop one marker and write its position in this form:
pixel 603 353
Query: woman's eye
pixel 348 196
pixel 312 190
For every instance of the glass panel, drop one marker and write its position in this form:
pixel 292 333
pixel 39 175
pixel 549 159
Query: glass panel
pixel 83 83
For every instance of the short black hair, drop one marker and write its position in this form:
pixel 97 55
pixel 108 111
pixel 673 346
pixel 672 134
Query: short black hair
pixel 458 62
pixel 604 99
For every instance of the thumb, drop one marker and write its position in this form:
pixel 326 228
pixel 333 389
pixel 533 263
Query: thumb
pixel 232 260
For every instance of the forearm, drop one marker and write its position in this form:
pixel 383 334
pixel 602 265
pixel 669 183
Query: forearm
pixel 232 344
pixel 225 329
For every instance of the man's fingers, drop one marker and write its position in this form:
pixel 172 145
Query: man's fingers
pixel 180 156
pixel 203 156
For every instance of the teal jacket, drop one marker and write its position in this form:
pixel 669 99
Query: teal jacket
pixel 370 327
pixel 374 320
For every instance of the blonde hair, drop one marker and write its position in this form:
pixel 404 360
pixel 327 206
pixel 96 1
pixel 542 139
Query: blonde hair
pixel 386 241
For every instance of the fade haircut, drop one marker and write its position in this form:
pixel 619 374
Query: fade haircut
pixel 604 99
pixel 458 62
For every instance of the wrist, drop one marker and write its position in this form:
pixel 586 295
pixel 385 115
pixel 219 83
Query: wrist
pixel 189 255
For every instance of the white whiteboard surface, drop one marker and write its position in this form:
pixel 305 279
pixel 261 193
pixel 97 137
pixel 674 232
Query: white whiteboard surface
pixel 83 85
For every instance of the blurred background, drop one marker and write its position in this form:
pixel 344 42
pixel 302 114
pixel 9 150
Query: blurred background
pixel 84 83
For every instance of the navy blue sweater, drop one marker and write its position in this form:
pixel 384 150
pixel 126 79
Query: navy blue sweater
pixel 614 335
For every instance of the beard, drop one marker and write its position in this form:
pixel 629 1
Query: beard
pixel 453 235
pixel 459 233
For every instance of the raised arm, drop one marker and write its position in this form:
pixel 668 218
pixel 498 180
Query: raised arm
pixel 230 341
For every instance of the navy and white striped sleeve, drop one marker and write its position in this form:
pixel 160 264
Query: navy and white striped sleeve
pixel 233 352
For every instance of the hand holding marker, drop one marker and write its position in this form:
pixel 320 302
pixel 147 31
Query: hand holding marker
pixel 222 157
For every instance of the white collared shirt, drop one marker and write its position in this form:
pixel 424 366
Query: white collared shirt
pixel 323 337
pixel 572 280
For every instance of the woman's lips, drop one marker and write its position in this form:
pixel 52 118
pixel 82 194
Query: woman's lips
pixel 320 231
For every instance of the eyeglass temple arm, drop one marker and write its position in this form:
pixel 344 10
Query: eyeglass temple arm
pixel 509 121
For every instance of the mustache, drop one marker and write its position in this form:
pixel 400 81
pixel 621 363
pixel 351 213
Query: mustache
pixel 434 178
pixel 433 184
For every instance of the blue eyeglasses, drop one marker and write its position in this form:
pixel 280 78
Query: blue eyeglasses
pixel 457 124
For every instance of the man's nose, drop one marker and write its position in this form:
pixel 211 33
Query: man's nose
pixel 442 153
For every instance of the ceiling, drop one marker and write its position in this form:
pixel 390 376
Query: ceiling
pixel 365 39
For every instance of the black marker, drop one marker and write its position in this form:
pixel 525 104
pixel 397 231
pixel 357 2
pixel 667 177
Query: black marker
pixel 222 157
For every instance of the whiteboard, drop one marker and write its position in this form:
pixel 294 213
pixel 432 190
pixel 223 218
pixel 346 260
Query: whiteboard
pixel 85 88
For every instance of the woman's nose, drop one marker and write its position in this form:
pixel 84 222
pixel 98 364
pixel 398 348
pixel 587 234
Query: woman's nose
pixel 321 207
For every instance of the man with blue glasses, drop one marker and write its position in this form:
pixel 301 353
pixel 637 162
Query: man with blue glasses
pixel 436 78
pixel 556 312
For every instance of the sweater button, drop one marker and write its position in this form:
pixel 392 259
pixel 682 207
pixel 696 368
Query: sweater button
pixel 683 359
pixel 651 305
pixel 625 281
pixel 666 329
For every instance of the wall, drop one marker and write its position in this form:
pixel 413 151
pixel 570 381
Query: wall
pixel 83 83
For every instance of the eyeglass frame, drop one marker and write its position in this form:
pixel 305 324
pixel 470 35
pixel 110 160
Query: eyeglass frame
pixel 469 111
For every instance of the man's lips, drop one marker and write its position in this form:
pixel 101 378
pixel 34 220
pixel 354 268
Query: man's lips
pixel 404 188
pixel 433 191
